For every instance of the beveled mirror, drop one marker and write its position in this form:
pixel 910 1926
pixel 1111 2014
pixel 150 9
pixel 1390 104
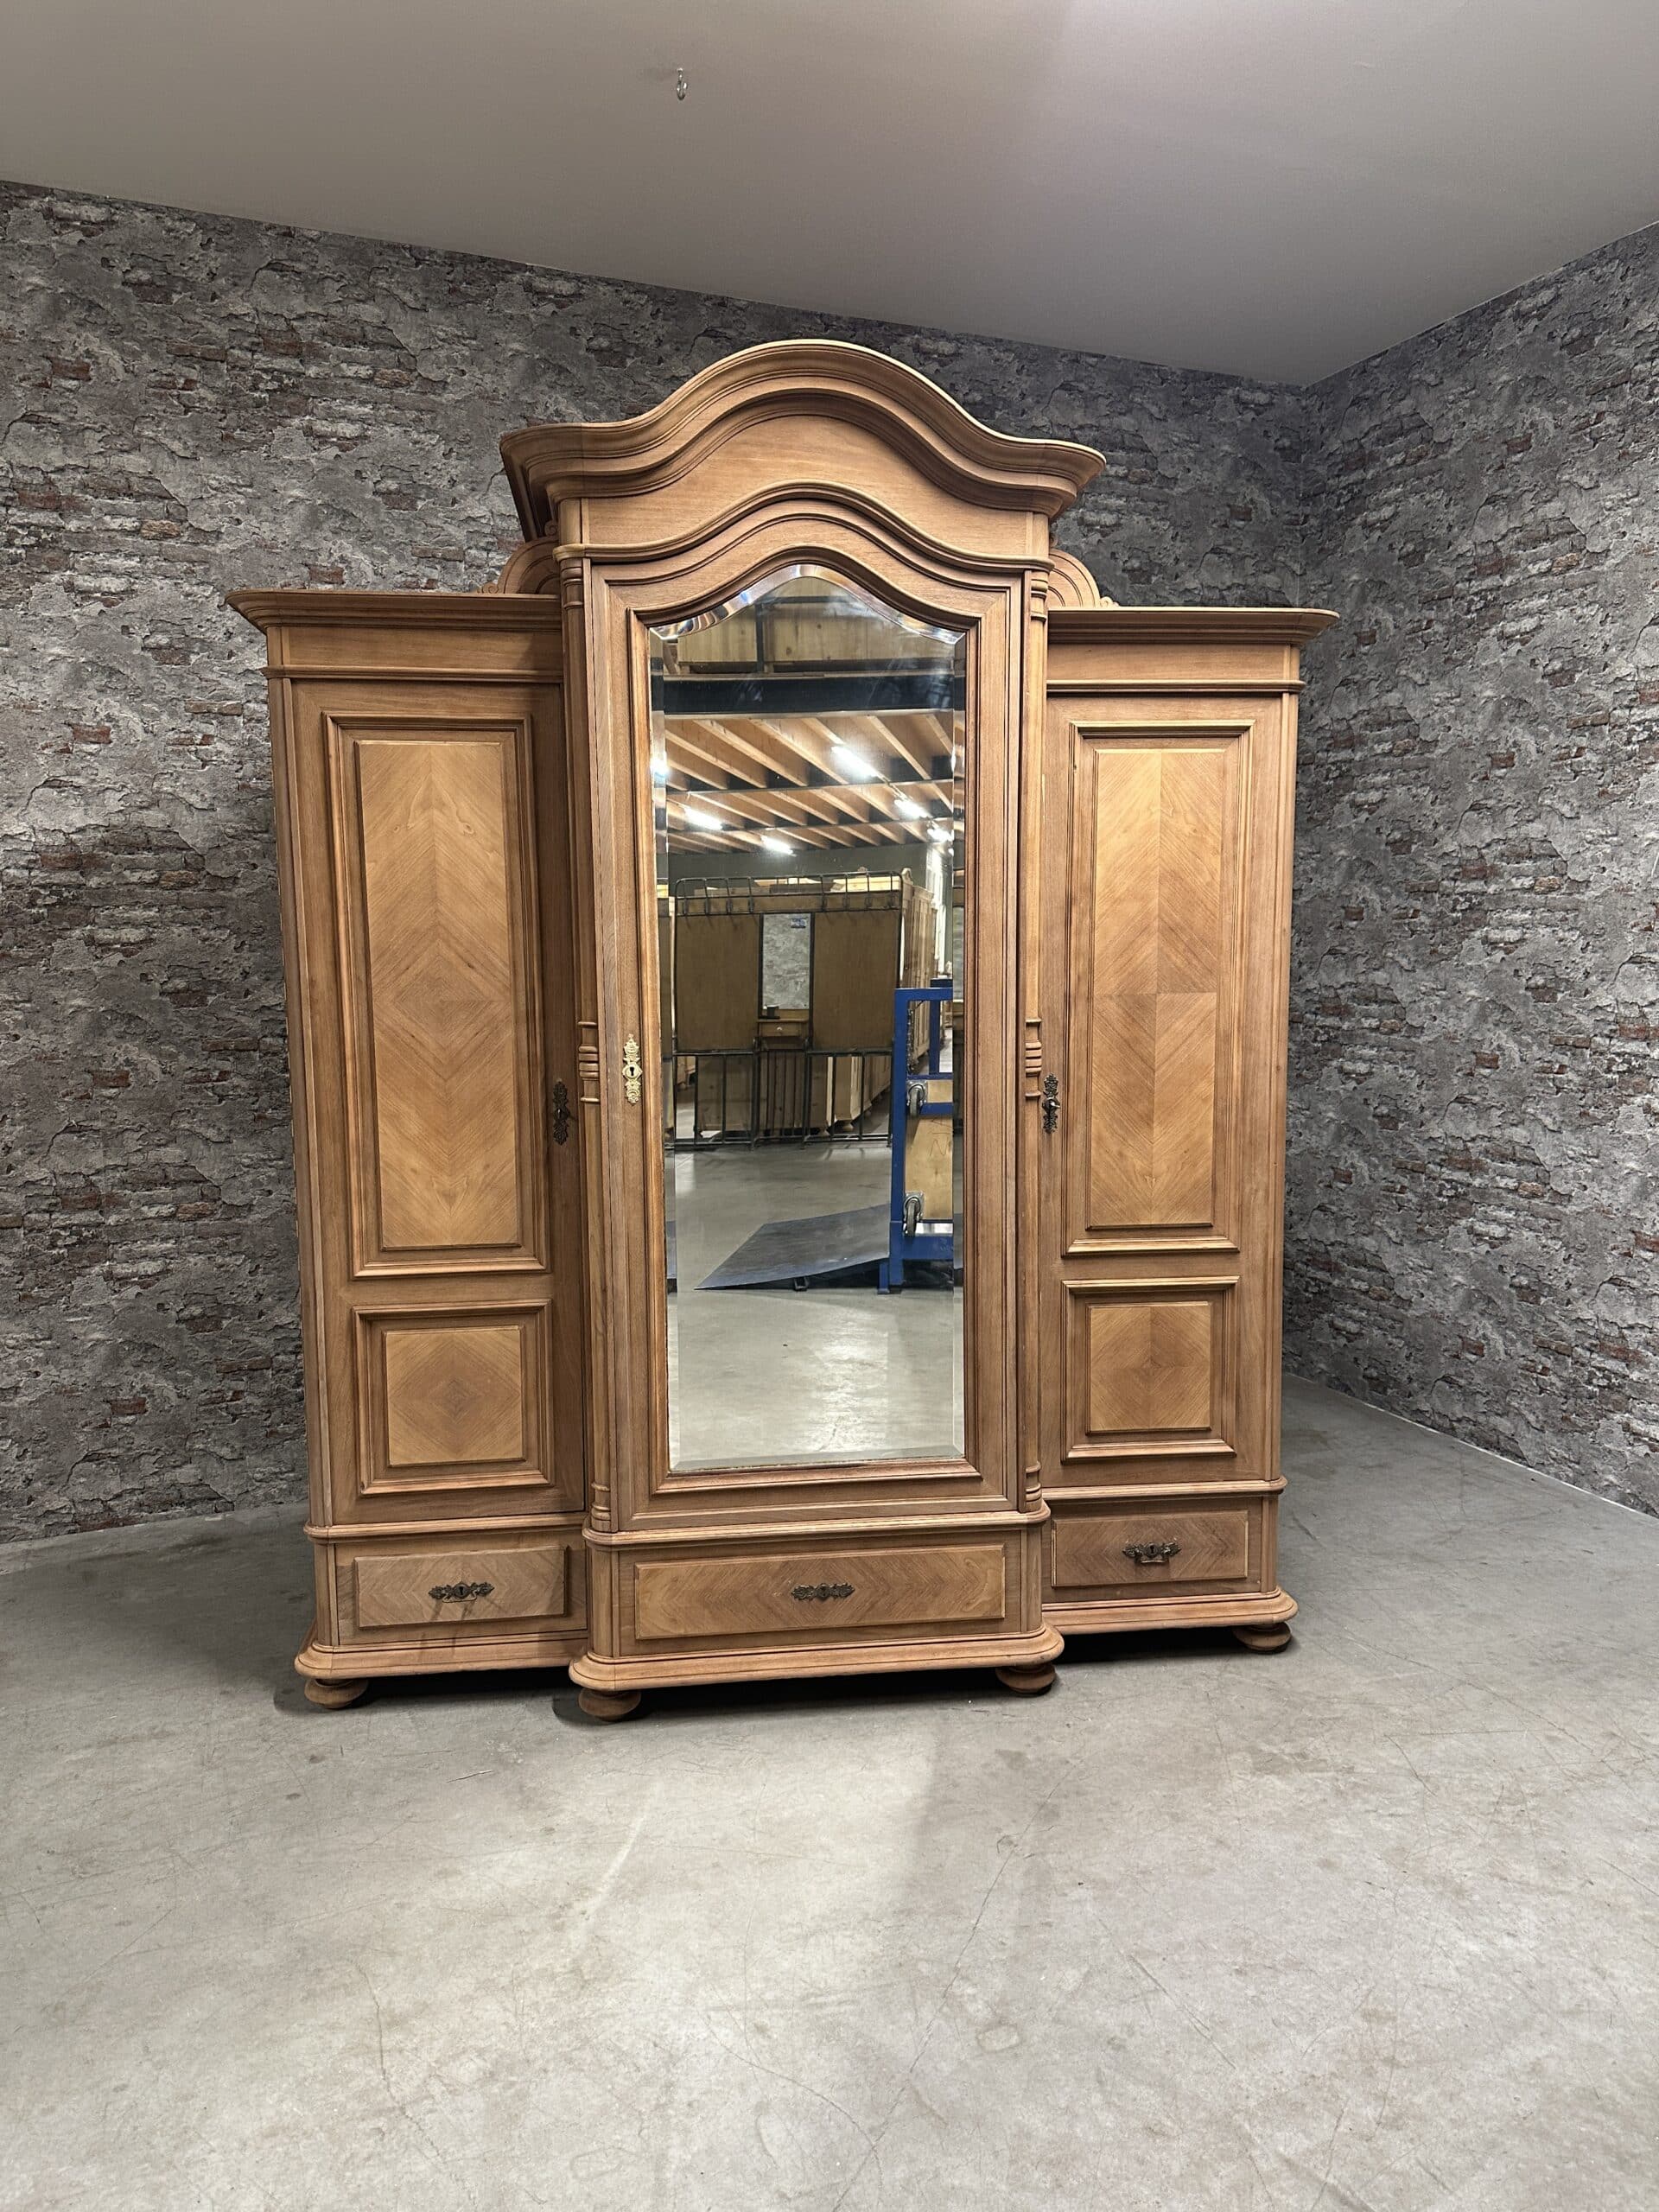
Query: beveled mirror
pixel 807 766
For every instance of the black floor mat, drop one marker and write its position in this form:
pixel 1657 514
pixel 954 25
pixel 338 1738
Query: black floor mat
pixel 821 1247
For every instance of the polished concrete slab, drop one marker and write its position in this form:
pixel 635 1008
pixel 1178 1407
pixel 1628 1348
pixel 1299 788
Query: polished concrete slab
pixel 1373 1923
pixel 835 1372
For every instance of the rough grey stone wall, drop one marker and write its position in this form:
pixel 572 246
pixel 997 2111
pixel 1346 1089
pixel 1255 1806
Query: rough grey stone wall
pixel 1473 1235
pixel 195 404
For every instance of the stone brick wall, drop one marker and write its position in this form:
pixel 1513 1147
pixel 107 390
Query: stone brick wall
pixel 1472 1235
pixel 195 404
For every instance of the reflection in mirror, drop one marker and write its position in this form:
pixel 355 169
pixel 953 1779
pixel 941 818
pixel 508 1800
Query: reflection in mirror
pixel 807 750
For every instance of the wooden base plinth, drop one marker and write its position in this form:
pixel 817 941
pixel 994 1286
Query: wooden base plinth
pixel 331 1696
pixel 1030 1657
pixel 1026 1681
pixel 1263 1636
pixel 607 1705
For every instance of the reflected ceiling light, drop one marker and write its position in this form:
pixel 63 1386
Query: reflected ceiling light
pixel 940 833
pixel 696 819
pixel 659 770
pixel 851 762
pixel 777 845
pixel 908 808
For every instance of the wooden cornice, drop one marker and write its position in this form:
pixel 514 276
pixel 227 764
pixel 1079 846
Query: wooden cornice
pixel 400 610
pixel 554 461
pixel 1186 626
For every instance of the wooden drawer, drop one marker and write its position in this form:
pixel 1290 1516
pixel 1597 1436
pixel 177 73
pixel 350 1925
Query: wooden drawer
pixel 1156 1551
pixel 853 1592
pixel 408 1589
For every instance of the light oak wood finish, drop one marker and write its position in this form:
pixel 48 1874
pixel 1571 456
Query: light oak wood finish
pixel 475 955
pixel 429 829
pixel 454 1396
pixel 1262 1635
pixel 607 1705
pixel 334 1696
pixel 806 1592
pixel 421 1589
pixel 422 846
pixel 1170 743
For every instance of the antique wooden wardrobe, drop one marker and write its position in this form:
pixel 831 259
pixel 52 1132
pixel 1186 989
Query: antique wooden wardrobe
pixel 806 608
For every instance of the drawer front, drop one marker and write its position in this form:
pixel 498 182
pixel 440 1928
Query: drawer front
pixel 1171 1552
pixel 820 1595
pixel 409 1586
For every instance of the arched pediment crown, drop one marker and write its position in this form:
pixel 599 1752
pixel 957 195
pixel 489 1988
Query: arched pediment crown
pixel 552 462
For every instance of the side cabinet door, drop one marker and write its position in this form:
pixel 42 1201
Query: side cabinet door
pixel 431 916
pixel 1166 889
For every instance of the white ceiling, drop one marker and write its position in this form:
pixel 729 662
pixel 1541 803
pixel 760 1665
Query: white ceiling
pixel 1274 188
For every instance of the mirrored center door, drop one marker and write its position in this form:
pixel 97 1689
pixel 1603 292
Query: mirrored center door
pixel 808 776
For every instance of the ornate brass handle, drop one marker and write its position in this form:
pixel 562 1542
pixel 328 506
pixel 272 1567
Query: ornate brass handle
pixel 560 1112
pixel 821 1590
pixel 1051 1104
pixel 632 1071
pixel 450 1593
pixel 1150 1554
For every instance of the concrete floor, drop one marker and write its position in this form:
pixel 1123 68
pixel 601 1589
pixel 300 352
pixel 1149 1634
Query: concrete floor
pixel 1371 1924
pixel 759 1376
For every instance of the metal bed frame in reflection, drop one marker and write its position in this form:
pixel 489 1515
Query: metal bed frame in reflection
pixel 781 1084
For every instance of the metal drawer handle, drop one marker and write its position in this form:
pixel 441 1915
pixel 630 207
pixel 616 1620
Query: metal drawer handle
pixel 448 1593
pixel 821 1590
pixel 1150 1554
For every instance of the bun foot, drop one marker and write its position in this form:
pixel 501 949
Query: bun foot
pixel 331 1696
pixel 1263 1636
pixel 607 1705
pixel 1026 1681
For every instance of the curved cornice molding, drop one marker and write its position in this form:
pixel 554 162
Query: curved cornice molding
pixel 562 460
pixel 1072 584
pixel 1187 625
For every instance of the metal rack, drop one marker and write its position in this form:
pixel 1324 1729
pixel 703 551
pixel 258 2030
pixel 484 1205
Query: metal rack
pixel 907 1240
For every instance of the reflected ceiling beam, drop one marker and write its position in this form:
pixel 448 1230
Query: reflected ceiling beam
pixel 715 754
pixel 750 749
pixel 919 740
pixel 744 829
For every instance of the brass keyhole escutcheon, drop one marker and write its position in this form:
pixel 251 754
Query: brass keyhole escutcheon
pixel 1051 1104
pixel 560 1112
pixel 633 1070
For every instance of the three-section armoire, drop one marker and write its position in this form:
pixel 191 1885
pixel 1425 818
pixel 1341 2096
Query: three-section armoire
pixel 470 795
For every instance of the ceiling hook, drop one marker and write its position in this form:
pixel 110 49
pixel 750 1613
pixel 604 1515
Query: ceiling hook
pixel 681 86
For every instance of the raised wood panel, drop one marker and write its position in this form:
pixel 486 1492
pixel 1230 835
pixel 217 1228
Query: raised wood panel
pixel 452 1400
pixel 1153 1000
pixel 819 1594
pixel 432 835
pixel 1150 1373
pixel 455 1396
pixel 439 1588
pixel 1150 1367
pixel 1159 1550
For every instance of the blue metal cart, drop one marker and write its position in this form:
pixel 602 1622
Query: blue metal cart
pixel 907 1239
